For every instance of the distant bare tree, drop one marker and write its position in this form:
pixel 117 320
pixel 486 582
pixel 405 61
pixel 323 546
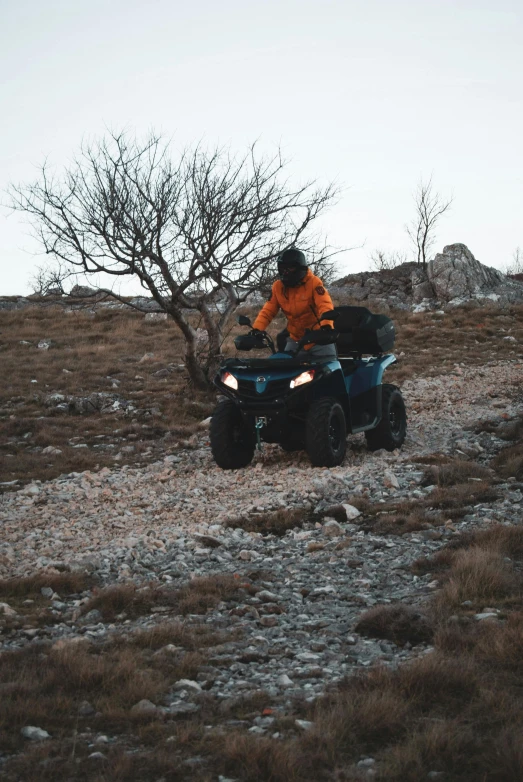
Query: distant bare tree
pixel 49 280
pixel 382 261
pixel 199 233
pixel 430 207
pixel 516 265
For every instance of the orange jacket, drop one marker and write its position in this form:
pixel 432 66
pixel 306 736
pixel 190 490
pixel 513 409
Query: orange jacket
pixel 302 306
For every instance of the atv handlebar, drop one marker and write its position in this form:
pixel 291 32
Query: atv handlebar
pixel 257 340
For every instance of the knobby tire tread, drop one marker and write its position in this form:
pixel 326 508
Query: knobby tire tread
pixel 381 436
pixel 228 454
pixel 318 445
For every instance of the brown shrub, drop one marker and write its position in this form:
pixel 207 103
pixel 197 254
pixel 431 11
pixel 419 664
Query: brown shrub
pixel 403 523
pixel 509 462
pixel 455 472
pixel 271 523
pixel 398 623
pixel 201 594
pixel 62 583
pixel 461 495
pixel 258 758
pixel 195 597
pixel 188 637
pixel 117 598
pixel 479 575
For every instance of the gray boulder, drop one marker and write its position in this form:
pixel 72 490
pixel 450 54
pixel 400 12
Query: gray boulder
pixel 8 303
pixel 422 289
pixel 457 277
pixel 145 304
pixel 83 291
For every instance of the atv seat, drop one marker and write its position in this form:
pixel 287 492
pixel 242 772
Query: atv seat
pixel 361 332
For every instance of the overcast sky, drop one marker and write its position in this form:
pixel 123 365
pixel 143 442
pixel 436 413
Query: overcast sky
pixel 372 93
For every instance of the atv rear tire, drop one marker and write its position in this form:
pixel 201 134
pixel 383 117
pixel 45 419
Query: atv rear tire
pixel 232 443
pixel 326 433
pixel 392 429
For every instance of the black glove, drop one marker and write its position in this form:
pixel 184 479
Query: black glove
pixel 326 328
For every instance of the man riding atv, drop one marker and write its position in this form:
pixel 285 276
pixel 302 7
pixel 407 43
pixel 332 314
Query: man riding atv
pixel 303 299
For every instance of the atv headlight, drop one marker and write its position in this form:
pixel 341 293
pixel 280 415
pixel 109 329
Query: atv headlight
pixel 305 377
pixel 230 380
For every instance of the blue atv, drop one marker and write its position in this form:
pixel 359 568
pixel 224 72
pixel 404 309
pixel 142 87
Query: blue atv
pixel 307 404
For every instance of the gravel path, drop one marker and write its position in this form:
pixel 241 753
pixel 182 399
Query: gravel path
pixel 101 516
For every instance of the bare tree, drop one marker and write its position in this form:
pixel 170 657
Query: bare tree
pixel 199 233
pixel 49 280
pixel 516 266
pixel 382 261
pixel 430 207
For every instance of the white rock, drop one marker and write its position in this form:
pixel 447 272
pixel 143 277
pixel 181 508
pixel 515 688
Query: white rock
pixel 390 480
pixel 284 681
pixel 351 511
pixel 52 451
pixel 187 684
pixel 267 597
pixel 34 734
pixel 6 610
pixel 308 657
pixel 144 707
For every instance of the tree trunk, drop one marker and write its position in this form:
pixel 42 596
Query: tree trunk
pixel 214 335
pixel 196 373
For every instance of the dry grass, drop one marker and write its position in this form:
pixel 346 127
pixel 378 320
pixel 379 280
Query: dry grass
pixel 480 576
pixel 467 336
pixel 506 541
pixel 403 522
pixel 272 522
pixel 398 623
pixel 45 689
pixel 101 353
pixel 457 499
pixel 30 586
pixel 190 637
pixel 195 597
pixel 456 471
pixel 509 462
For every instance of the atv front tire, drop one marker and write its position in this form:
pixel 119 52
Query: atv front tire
pixel 232 442
pixel 326 433
pixel 392 429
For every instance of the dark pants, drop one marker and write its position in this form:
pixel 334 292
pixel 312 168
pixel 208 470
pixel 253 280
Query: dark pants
pixel 316 352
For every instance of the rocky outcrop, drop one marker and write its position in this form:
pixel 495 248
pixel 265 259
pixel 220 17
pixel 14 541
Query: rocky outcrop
pixel 391 288
pixel 457 277
pixel 454 277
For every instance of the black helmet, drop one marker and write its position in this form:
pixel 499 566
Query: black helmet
pixel 292 267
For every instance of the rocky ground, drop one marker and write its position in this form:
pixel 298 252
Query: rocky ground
pixel 182 518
